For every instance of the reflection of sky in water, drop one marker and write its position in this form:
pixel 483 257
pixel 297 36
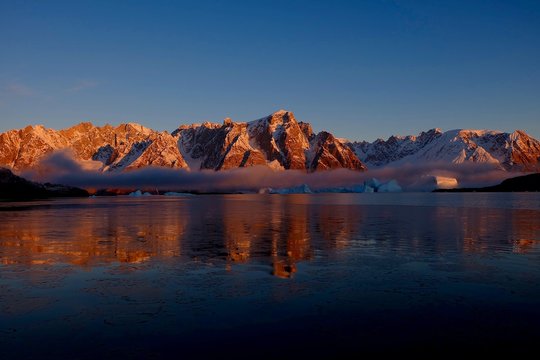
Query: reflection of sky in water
pixel 125 270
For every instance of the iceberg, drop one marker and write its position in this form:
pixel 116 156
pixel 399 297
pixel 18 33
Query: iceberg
pixel 342 189
pixel 369 186
pixel 172 193
pixel 300 189
pixel 369 189
pixel 443 182
pixel 433 182
pixel 372 183
pixel 139 193
pixel 390 186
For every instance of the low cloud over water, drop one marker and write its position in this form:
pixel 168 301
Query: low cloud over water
pixel 62 168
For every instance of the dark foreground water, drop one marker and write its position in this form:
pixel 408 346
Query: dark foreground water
pixel 257 276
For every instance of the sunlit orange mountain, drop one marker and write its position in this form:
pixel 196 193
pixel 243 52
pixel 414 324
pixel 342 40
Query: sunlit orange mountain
pixel 277 141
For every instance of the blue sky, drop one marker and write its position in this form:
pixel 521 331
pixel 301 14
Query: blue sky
pixel 360 69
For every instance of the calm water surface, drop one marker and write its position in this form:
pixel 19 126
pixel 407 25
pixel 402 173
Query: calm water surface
pixel 251 276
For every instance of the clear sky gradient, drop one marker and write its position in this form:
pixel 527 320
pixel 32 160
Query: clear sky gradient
pixel 360 69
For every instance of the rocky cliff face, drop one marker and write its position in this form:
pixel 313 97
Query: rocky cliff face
pixel 280 137
pixel 515 151
pixel 329 153
pixel 277 141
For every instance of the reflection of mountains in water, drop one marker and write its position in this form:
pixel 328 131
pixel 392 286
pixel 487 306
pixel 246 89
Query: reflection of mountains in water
pixel 277 230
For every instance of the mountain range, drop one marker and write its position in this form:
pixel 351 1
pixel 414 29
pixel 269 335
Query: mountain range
pixel 516 151
pixel 277 141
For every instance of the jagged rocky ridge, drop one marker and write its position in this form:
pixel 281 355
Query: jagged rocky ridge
pixel 515 151
pixel 277 141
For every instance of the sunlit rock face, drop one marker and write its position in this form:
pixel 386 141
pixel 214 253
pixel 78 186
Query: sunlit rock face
pixel 328 153
pixel 218 147
pixel 516 151
pixel 277 141
pixel 123 147
pixel 281 138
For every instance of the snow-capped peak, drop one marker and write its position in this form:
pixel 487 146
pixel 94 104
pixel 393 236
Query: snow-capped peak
pixel 515 151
